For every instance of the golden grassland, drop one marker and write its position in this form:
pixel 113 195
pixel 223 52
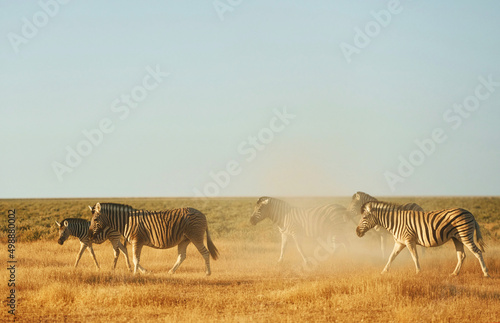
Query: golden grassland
pixel 246 282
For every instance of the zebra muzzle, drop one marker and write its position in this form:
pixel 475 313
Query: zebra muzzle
pixel 254 219
pixel 360 232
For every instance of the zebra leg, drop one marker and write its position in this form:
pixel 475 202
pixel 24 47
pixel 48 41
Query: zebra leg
pixel 142 269
pixel 80 253
pixel 413 251
pixel 479 255
pixel 284 242
pixel 299 248
pixel 124 251
pixel 116 252
pixel 459 246
pixel 181 251
pixel 204 252
pixel 91 250
pixel 136 250
pixel 397 249
pixel 382 244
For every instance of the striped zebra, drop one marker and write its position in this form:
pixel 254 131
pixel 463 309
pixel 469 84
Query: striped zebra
pixel 80 228
pixel 428 229
pixel 156 229
pixel 325 221
pixel 360 198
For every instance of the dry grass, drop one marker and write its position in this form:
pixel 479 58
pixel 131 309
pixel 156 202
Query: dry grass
pixel 247 285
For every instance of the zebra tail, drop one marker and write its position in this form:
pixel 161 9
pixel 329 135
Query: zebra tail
pixel 479 238
pixel 211 247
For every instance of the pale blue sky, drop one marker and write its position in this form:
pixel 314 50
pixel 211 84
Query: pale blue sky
pixel 209 87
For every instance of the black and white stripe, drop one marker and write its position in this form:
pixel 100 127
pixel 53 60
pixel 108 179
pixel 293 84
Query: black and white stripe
pixel 360 198
pixel 156 229
pixel 325 221
pixel 80 228
pixel 428 229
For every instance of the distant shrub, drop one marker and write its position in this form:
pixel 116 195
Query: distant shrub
pixel 228 218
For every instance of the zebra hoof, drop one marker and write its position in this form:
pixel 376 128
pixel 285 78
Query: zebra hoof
pixel 208 274
pixel 171 272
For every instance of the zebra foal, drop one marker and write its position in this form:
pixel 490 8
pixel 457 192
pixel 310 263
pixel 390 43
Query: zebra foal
pixel 156 229
pixel 428 229
pixel 320 222
pixel 80 228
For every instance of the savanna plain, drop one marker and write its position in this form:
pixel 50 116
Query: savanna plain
pixel 246 283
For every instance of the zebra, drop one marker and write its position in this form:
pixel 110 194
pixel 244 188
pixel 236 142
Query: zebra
pixel 324 221
pixel 428 229
pixel 156 229
pixel 360 198
pixel 80 228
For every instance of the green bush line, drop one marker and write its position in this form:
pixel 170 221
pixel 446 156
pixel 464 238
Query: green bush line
pixel 227 217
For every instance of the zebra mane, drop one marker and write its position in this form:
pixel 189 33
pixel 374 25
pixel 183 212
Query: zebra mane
pixel 111 206
pixel 263 198
pixel 75 220
pixel 364 196
pixel 276 202
pixel 377 205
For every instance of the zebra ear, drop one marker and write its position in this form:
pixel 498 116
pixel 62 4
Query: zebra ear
pixel 358 197
pixel 58 224
pixel 265 201
pixel 90 208
pixel 65 223
pixel 98 207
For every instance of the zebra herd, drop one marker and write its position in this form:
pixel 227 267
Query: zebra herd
pixel 156 229
pixel 408 224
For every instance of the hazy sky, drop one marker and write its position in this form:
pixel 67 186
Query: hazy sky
pixel 238 98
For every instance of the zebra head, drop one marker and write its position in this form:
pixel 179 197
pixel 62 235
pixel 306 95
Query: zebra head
pixel 98 222
pixel 259 212
pixel 63 232
pixel 357 201
pixel 367 221
pixel 355 205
